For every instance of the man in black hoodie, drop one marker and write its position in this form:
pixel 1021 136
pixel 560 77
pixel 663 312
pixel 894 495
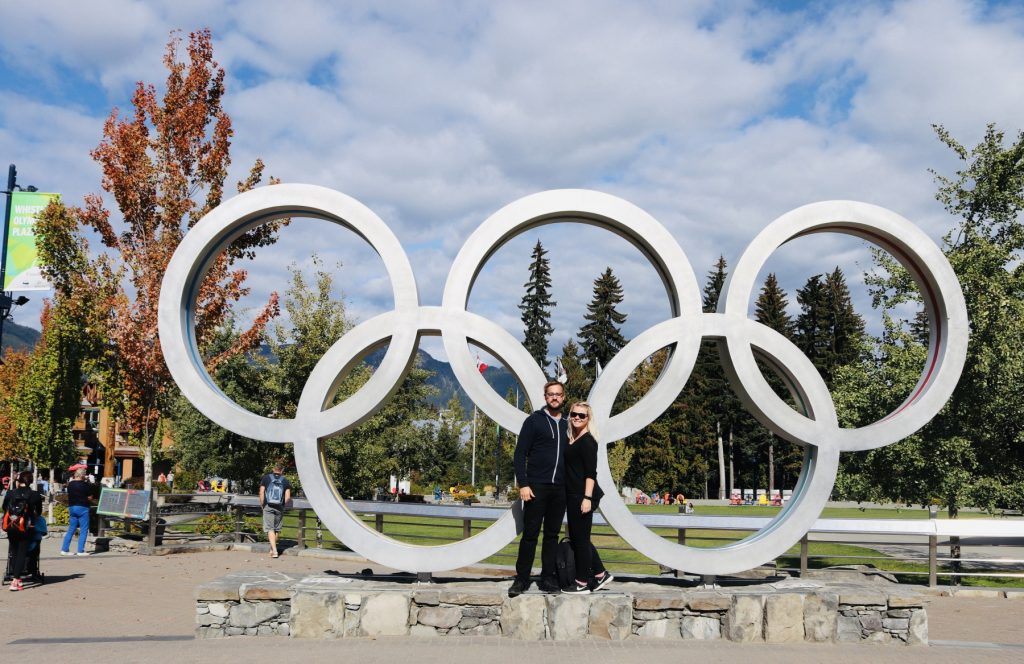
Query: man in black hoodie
pixel 540 474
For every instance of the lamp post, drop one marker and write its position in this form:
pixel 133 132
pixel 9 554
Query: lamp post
pixel 7 301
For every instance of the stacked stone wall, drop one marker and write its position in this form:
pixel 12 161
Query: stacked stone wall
pixel 333 607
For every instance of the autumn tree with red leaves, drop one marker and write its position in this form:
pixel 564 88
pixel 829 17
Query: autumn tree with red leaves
pixel 164 164
pixel 11 370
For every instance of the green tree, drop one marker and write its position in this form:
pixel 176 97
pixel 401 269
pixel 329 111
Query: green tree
pixel 203 448
pixel 601 337
pixel 536 307
pixel 48 397
pixel 709 386
pixel 388 442
pixel 828 329
pixel 578 382
pixel 770 310
pixel 440 464
pixel 972 450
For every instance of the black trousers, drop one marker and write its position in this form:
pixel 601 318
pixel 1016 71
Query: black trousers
pixel 588 562
pixel 18 544
pixel 547 508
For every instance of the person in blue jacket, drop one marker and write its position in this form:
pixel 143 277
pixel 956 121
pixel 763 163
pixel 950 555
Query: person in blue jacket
pixel 540 473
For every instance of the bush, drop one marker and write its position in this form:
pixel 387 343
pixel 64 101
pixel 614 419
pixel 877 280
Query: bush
pixel 61 516
pixel 223 523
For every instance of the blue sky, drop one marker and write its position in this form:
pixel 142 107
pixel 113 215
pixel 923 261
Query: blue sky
pixel 714 117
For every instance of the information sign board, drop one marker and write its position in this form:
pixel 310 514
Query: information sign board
pixel 128 503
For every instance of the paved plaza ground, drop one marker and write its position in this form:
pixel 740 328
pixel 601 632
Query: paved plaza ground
pixel 129 608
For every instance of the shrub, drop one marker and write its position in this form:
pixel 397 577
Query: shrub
pixel 223 523
pixel 61 516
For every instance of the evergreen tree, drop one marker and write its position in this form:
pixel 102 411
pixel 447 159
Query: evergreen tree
pixel 440 465
pixel 536 307
pixel 601 337
pixel 577 382
pixel 770 310
pixel 845 326
pixel 710 388
pixel 771 305
pixel 828 330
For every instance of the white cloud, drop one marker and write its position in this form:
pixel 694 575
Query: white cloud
pixel 716 118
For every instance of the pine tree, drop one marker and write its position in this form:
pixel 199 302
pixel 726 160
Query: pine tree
pixel 845 325
pixel 577 382
pixel 536 307
pixel 770 310
pixel 811 325
pixel 601 338
pixel 771 305
pixel 710 387
pixel 828 330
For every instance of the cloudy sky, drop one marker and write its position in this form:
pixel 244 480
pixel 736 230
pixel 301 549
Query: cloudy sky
pixel 714 117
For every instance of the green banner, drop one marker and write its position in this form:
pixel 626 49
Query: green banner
pixel 23 272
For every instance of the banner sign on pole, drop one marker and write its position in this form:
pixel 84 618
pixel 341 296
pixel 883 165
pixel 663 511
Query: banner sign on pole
pixel 23 272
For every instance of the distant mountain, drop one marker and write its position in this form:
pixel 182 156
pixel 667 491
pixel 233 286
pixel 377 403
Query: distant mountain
pixel 443 379
pixel 19 337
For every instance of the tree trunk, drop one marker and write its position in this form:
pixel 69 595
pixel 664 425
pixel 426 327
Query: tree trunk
pixel 771 467
pixel 49 502
pixel 721 463
pixel 732 466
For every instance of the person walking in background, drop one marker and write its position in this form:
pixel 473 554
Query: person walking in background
pixel 540 468
pixel 21 506
pixel 79 500
pixel 582 496
pixel 275 493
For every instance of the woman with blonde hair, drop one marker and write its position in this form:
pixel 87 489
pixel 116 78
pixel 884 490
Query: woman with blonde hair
pixel 582 497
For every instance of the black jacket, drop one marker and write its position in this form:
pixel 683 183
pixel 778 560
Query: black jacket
pixel 540 450
pixel 581 465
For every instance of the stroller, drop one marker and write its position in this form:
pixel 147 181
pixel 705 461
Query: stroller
pixel 32 572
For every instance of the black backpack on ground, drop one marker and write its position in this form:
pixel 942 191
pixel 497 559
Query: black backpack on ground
pixel 565 564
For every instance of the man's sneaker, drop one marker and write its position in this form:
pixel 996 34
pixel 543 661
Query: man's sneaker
pixel 66 553
pixel 82 553
pixel 547 585
pixel 602 581
pixel 518 587
pixel 577 588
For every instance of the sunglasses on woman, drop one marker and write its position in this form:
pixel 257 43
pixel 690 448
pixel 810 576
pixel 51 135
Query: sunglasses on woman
pixel 578 416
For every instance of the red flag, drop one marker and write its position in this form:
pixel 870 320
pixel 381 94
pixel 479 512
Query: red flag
pixel 481 367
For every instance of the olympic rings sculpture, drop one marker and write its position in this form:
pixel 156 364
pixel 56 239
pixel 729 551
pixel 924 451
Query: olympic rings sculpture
pixel 744 341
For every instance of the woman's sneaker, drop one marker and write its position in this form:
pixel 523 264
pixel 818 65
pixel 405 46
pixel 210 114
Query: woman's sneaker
pixel 578 588
pixel 602 581
pixel 15 584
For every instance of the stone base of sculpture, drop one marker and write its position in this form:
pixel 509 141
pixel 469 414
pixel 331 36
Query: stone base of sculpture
pixel 332 607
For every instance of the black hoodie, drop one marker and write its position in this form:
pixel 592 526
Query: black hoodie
pixel 540 450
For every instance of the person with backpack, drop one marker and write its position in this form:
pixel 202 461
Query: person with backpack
pixel 275 493
pixel 21 506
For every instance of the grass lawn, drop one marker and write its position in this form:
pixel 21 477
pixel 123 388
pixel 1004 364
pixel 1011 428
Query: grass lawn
pixel 620 557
